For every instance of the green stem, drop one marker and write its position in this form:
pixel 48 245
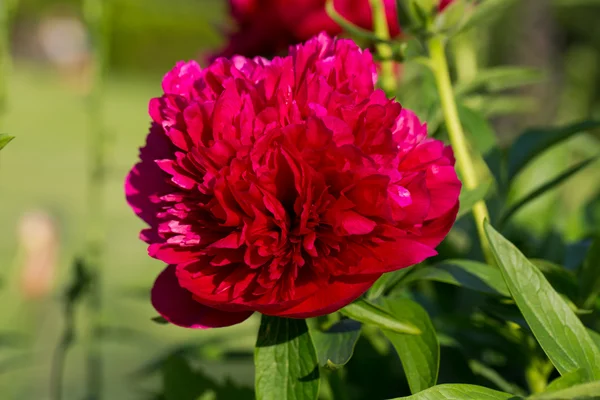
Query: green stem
pixel 95 12
pixel 387 77
pixel 465 165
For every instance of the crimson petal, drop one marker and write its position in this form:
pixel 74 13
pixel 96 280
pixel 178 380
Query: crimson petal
pixel 177 305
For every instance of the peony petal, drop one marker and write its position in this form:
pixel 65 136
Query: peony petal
pixel 444 189
pixel 147 181
pixel 177 305
pixel 335 295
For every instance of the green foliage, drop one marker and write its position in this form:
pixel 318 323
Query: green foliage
pixel 558 330
pixel 584 391
pixel 469 274
pixel 535 141
pixel 459 392
pixel 546 187
pixel 335 346
pixel 589 275
pixel 369 313
pixel 419 354
pixel 468 198
pixel 4 140
pixel 286 361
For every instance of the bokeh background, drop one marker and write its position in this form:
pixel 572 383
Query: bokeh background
pixel 43 176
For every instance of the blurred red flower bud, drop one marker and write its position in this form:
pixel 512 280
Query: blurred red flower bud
pixel 267 27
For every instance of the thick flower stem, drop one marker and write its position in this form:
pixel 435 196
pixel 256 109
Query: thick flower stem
pixel 388 81
pixel 439 66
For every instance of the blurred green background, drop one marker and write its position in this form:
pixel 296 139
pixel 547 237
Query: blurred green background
pixel 44 170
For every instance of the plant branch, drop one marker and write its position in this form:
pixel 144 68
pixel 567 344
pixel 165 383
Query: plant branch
pixel 465 165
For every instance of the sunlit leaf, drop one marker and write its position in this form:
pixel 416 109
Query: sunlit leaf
pixel 4 140
pixel 459 392
pixel 336 345
pixel 368 313
pixel 286 361
pixel 387 282
pixel 419 354
pixel 583 391
pixel 567 380
pixel 537 140
pixel 562 178
pixel 559 332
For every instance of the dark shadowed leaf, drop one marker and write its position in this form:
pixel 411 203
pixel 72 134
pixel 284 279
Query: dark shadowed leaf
pixel 368 313
pixel 180 382
pixel 470 274
pixel 589 275
pixel 493 376
pixel 544 188
pixel 468 198
pixel 160 320
pixel 459 392
pixel 558 330
pixel 285 360
pixel 537 140
pixel 583 391
pixel 4 139
pixel 336 345
pixel 419 354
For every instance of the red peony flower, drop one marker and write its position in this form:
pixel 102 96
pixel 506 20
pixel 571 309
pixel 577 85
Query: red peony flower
pixel 443 4
pixel 266 27
pixel 286 187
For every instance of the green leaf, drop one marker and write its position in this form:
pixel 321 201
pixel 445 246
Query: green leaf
pixel 486 11
pixel 336 346
pixel 159 320
pixel 595 337
pixel 559 332
pixel 493 376
pixel 470 274
pixel 4 140
pixel 285 360
pixel 499 78
pixel 566 381
pixel 459 392
pixel 180 382
pixel 589 275
pixel 419 354
pixel 584 391
pixel 368 313
pixel 480 131
pixel 387 281
pixel 561 279
pixel 537 140
pixel 468 198
pixel 544 188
